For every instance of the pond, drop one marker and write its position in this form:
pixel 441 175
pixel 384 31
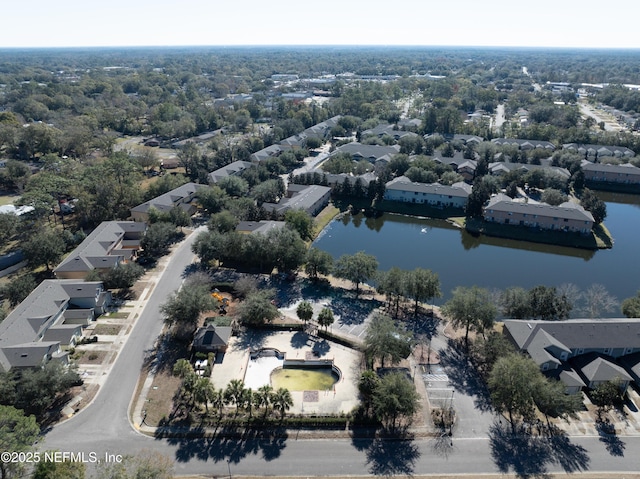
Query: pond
pixel 461 259
pixel 304 378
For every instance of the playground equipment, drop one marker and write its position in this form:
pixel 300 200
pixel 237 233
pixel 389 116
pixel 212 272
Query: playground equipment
pixel 219 297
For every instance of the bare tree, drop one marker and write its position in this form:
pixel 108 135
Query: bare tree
pixel 597 300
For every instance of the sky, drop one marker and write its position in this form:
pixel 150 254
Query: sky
pixel 543 23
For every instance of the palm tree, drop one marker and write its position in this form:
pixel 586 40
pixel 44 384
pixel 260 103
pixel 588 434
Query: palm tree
pixel 202 392
pixel 182 367
pixel 218 400
pixel 248 401
pixel 235 392
pixel 263 397
pixel 282 401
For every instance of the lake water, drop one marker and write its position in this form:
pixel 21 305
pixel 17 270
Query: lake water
pixel 464 260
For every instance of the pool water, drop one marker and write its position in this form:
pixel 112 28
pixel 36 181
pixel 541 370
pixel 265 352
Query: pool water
pixel 303 378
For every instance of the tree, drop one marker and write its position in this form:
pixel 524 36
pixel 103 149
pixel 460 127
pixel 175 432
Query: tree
pixel 144 465
pixel 122 276
pixel 551 400
pixel 325 318
pixel 553 197
pixel 222 222
pixel 606 395
pixel 367 386
pixel 304 311
pixel 268 191
pixel 264 395
pixel 158 238
pixel 598 300
pixel 395 400
pixel 38 388
pixel 487 350
pixel 594 205
pixel 301 221
pixel 392 283
pixel 513 382
pixel 515 303
pixel 282 401
pixel 182 309
pixel 234 393
pixel 258 308
pixel 44 248
pixel 471 309
pixel 234 185
pixel 287 250
pixel 17 289
pixel 422 285
pixel 384 340
pixel 356 268
pixel 59 470
pixel 18 433
pixel 8 225
pixel 203 392
pixel 545 303
pixel 318 262
pixel 631 306
pixel 212 199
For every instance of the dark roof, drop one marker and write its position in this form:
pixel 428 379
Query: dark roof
pixel 565 210
pixel 170 199
pixel 97 250
pixel 579 333
pixel 211 337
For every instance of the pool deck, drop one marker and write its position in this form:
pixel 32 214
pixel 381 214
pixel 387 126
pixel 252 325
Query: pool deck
pixel 298 345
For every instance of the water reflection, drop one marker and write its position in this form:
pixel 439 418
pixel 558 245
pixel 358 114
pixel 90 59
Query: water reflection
pixel 462 259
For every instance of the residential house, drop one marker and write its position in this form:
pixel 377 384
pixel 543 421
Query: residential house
pixel 272 151
pixel 600 172
pixel 404 190
pixel 599 151
pixel 340 178
pixel 387 129
pixel 310 198
pixel 580 352
pixel 568 216
pixel 50 318
pixel 261 227
pixel 112 243
pixel 371 153
pixel 181 197
pixel 232 169
pixel 525 144
pixel 499 168
pixel 211 339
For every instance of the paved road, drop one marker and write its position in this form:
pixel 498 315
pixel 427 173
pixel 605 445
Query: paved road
pixel 106 418
pixel 103 427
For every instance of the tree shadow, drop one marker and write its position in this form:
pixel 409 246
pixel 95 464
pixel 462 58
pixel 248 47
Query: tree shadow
pixel 392 456
pixel 320 348
pixel 424 325
pixel 351 310
pixel 251 340
pixel 442 445
pixel 229 444
pixel 529 456
pixel 463 375
pixel 607 432
pixel 299 340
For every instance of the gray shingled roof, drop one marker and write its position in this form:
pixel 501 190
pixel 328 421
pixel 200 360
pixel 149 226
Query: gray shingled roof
pixel 231 169
pixel 369 152
pixel 402 183
pixel 579 333
pixel 259 226
pixel 565 210
pixel 165 202
pixel 39 311
pixel 97 249
pixel 625 169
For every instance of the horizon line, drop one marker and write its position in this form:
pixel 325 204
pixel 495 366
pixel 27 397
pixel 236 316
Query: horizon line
pixel 346 45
